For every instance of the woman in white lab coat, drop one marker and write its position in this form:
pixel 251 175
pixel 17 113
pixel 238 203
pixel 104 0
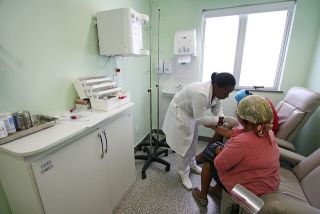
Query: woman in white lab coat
pixel 187 110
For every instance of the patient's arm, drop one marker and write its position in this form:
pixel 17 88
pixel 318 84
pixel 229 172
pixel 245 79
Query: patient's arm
pixel 221 130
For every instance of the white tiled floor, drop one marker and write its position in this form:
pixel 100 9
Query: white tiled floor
pixel 163 192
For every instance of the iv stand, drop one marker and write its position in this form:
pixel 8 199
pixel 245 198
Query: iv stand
pixel 151 143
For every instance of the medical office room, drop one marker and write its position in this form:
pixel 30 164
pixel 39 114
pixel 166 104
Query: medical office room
pixel 90 119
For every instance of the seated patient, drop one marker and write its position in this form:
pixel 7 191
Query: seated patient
pixel 250 157
pixel 218 136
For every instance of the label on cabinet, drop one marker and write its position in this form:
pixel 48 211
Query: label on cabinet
pixel 46 166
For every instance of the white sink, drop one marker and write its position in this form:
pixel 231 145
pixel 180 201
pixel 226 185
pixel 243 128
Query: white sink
pixel 170 92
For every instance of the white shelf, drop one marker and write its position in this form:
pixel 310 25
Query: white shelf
pixel 98 80
pixel 101 86
pixel 89 77
pixel 104 92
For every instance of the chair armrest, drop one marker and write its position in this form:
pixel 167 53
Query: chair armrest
pixel 285 144
pixel 291 157
pixel 279 203
pixel 245 198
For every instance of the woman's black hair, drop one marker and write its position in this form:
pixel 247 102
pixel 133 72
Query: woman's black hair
pixel 223 79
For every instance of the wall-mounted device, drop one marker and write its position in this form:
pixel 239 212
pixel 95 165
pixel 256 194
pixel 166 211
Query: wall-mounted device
pixel 185 45
pixel 120 32
pixel 165 66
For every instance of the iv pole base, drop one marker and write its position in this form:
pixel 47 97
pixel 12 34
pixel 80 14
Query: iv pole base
pixel 161 143
pixel 152 155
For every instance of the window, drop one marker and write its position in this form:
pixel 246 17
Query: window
pixel 249 42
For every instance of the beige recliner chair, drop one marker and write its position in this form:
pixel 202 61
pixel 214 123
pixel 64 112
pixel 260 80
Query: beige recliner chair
pixel 294 111
pixel 299 189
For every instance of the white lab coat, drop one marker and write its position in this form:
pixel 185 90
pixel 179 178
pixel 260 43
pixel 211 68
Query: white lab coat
pixel 187 110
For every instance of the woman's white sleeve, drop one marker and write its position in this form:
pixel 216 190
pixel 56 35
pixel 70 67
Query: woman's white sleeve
pixel 199 106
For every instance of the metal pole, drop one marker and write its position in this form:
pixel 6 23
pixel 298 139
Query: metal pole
pixel 150 83
pixel 158 86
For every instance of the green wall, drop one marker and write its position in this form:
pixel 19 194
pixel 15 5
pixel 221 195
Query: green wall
pixel 46 45
pixel 308 139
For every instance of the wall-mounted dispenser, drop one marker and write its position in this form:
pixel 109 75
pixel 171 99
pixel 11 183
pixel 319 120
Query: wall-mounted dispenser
pixel 120 32
pixel 165 66
pixel 185 45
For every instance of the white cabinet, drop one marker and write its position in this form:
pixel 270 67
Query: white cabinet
pixel 120 156
pixel 88 173
pixel 74 179
pixel 120 32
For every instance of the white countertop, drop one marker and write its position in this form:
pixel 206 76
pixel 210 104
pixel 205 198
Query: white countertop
pixel 63 130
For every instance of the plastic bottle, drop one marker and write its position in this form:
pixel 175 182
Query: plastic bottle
pixel 7 118
pixel 3 130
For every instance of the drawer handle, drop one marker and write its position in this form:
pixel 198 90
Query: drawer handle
pixel 105 137
pixel 102 153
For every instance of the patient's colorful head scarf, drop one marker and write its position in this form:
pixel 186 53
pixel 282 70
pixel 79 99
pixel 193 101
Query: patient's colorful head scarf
pixel 256 110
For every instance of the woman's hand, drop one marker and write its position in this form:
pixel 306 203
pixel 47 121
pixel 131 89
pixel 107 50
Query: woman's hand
pixel 220 122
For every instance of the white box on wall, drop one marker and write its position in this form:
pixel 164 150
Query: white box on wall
pixel 185 43
pixel 120 32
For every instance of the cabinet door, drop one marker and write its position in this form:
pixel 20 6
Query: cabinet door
pixel 74 179
pixel 120 155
